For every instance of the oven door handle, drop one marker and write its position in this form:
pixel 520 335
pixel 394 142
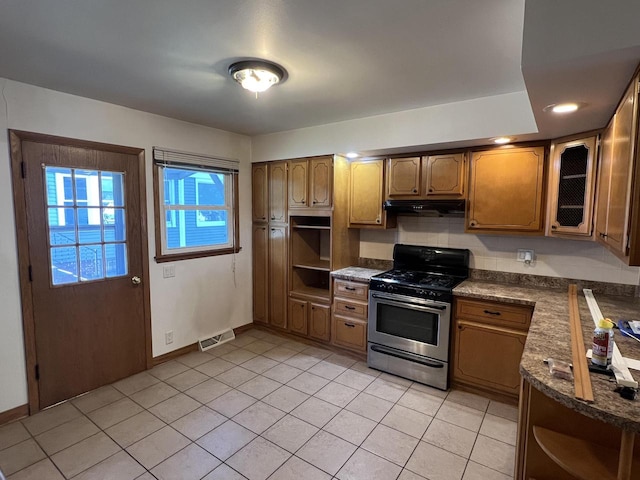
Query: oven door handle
pixel 406 356
pixel 404 304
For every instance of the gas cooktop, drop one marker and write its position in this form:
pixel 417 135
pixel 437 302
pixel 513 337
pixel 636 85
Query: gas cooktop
pixel 424 272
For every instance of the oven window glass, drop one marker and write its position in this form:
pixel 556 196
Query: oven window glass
pixel 407 323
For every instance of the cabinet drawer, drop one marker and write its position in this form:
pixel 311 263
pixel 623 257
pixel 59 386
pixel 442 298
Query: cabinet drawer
pixel 494 313
pixel 350 309
pixel 349 333
pixel 344 288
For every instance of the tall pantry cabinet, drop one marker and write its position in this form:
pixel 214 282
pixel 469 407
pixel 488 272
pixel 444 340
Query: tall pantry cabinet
pixel 270 237
pixel 300 234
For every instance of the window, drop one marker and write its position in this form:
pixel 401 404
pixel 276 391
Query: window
pixel 196 205
pixel 86 213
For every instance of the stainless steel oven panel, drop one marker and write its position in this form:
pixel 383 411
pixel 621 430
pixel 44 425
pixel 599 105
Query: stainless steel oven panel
pixel 439 351
pixel 409 365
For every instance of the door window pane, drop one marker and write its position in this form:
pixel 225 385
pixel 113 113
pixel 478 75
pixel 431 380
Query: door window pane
pixel 91 265
pixel 64 265
pixel 116 259
pixel 112 189
pixel 114 224
pixel 58 186
pixel 87 188
pixel 87 214
pixel 62 226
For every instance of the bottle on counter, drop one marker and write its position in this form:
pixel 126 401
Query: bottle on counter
pixel 603 343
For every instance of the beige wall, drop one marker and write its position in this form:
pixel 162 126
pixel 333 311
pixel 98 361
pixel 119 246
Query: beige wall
pixel 554 257
pixel 205 296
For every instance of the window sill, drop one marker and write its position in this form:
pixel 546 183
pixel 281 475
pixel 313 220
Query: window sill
pixel 188 256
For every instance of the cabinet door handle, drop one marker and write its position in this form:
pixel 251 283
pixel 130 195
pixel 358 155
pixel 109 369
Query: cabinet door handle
pixel 415 191
pixel 431 190
pixel 351 289
pixel 378 220
pixel 273 218
pixel 554 227
pixel 473 224
pixel 489 312
pixel 350 325
pixel 349 307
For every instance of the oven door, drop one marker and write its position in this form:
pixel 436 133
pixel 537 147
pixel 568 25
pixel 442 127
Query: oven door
pixel 410 324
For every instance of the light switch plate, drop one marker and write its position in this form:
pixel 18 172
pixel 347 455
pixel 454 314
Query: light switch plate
pixel 168 271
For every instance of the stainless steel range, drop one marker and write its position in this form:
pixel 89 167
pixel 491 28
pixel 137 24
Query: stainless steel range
pixel 410 313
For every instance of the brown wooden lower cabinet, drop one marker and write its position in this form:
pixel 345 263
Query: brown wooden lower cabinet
pixel 319 321
pixel 349 333
pixel 488 356
pixel 298 316
pixel 489 338
pixel 309 318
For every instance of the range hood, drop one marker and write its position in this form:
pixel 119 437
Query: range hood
pixel 450 208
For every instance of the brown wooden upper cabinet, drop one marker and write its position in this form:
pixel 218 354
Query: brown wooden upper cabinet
pixel 572 176
pixel 618 204
pixel 443 176
pixel 506 191
pixel 366 193
pixel 403 177
pixel 310 182
pixel 432 176
pixel 277 192
pixel 260 192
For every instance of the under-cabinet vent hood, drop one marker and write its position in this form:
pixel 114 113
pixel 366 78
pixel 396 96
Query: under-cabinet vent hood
pixel 450 208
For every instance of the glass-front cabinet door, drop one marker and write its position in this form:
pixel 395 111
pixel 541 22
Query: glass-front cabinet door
pixel 572 183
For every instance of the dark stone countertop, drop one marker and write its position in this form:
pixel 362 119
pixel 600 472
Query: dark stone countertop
pixel 356 274
pixel 549 337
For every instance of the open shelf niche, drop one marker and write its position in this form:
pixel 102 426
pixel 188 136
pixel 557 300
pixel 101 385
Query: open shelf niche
pixel 310 255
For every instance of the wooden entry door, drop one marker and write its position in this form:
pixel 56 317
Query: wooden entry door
pixel 86 244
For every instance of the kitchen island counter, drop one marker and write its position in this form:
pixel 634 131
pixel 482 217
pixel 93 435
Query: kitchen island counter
pixel 549 337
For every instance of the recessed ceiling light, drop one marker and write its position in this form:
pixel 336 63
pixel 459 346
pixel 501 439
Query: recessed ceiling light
pixel 562 107
pixel 352 155
pixel 502 140
pixel 256 75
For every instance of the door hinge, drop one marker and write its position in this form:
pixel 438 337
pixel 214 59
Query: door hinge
pixel 37 372
pixel 30 274
pixel 23 170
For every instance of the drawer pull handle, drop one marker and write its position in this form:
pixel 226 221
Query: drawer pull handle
pixel 349 307
pixel 351 289
pixel 350 325
pixel 489 312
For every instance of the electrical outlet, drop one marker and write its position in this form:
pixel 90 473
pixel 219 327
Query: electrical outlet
pixel 168 271
pixel 525 256
pixel 168 337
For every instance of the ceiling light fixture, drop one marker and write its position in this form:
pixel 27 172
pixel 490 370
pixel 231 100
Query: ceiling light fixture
pixel 562 107
pixel 352 155
pixel 256 75
pixel 502 140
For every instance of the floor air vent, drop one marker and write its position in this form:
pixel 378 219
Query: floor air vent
pixel 217 339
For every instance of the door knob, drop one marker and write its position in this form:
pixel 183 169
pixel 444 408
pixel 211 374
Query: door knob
pixel 136 280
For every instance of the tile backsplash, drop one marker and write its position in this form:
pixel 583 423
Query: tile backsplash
pixel 553 257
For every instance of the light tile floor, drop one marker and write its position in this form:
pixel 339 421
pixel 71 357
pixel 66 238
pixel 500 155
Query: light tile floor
pixel 264 407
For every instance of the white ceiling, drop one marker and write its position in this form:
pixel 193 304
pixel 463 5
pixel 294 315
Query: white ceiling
pixel 346 59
